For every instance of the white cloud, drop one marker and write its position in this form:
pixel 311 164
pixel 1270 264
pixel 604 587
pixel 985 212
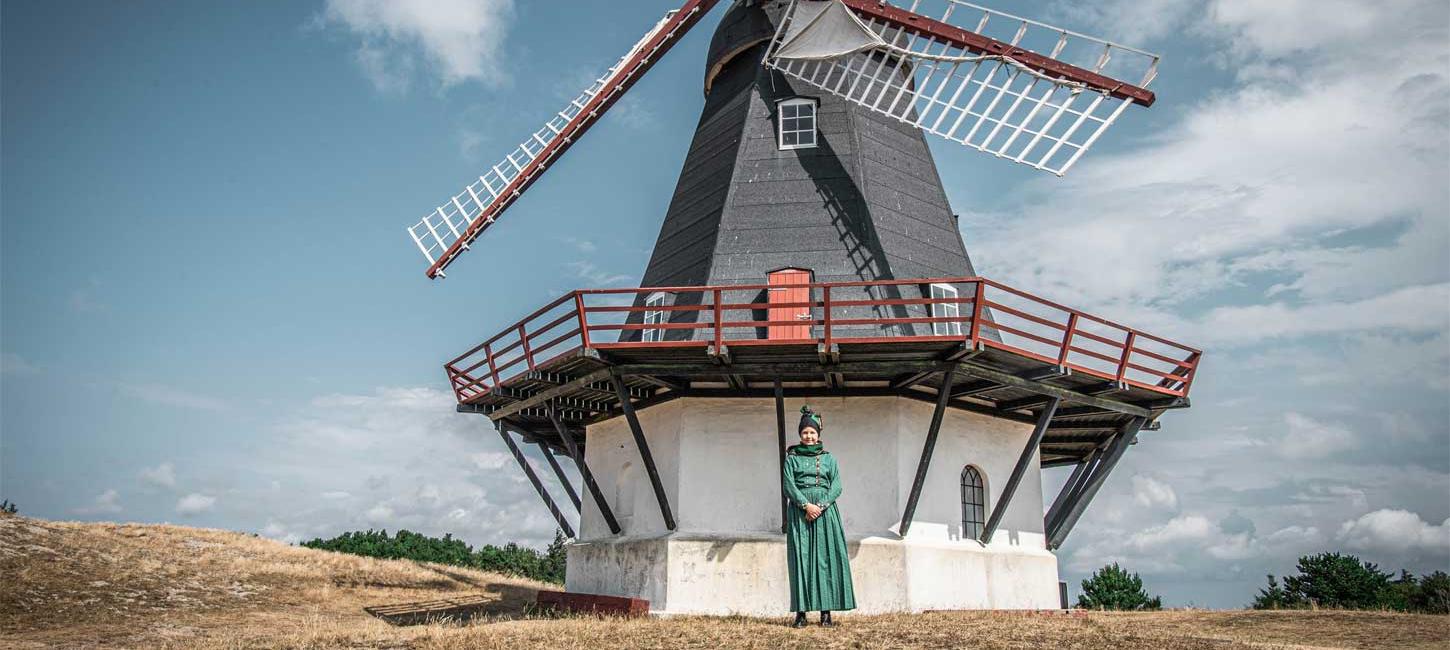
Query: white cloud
pixel 1150 492
pixel 380 514
pixel 170 396
pixel 1134 23
pixel 1265 176
pixel 163 475
pixel 1310 438
pixel 106 503
pixel 84 301
pixel 277 531
pixel 14 364
pixel 406 459
pixel 456 40
pixel 194 504
pixel 1415 309
pixel 490 460
pixel 595 276
pixel 1395 531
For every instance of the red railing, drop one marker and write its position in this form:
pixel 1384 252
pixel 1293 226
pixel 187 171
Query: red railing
pixel 1019 322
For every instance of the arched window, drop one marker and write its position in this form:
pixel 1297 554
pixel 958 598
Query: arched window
pixel 974 503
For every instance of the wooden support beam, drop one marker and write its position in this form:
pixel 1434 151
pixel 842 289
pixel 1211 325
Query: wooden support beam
pixel 1067 395
pixel 543 397
pixel 1074 510
pixel 644 453
pixel 1067 489
pixel 1049 372
pixel 663 383
pixel 1023 462
pixel 944 395
pixel 578 455
pixel 907 381
pixel 975 388
pixel 534 479
pixel 657 398
pixel 559 473
pixel 794 368
pixel 780 442
pixel 1031 402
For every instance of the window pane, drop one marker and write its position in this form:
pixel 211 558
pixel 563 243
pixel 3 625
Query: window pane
pixel 808 137
pixel 790 124
pixel 788 138
pixel 789 110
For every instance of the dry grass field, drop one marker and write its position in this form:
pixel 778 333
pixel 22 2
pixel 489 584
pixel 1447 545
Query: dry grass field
pixel 73 585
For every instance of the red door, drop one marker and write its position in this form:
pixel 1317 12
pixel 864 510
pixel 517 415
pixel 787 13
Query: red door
pixel 785 296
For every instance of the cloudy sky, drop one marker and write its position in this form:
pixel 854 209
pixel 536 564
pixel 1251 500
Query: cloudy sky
pixel 212 314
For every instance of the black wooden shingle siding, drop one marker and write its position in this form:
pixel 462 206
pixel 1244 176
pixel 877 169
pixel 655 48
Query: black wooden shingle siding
pixel 865 204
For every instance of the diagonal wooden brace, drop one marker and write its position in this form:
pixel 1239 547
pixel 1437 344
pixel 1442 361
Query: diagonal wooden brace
pixel 944 395
pixel 1023 462
pixel 578 455
pixel 534 479
pixel 649 461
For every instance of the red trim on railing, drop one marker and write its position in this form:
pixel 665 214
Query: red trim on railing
pixel 1010 323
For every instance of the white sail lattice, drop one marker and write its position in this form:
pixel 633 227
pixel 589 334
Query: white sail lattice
pixel 947 87
pixel 438 230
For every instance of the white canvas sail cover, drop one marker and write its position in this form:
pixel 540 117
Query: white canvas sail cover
pixel 826 30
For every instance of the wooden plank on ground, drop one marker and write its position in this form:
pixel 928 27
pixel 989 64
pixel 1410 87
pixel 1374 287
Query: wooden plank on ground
pixel 433 611
pixel 593 604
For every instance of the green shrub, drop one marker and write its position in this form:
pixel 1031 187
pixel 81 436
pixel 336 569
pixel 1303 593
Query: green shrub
pixel 1340 581
pixel 509 559
pixel 1112 587
pixel 1433 594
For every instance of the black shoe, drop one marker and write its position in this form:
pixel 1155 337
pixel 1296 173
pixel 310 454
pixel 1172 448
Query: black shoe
pixel 826 620
pixel 800 620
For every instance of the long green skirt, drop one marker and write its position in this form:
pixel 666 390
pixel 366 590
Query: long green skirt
pixel 820 569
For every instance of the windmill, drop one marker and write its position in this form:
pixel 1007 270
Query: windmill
pixel 809 252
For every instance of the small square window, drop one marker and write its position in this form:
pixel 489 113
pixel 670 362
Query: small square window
pixel 797 119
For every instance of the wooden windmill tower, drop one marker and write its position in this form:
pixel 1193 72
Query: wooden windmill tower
pixel 809 253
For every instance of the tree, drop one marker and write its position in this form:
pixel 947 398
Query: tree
pixel 1112 587
pixel 1276 597
pixel 1433 595
pixel 1339 581
pixel 7 507
pixel 407 545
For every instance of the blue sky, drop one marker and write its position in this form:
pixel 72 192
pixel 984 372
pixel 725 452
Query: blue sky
pixel 212 315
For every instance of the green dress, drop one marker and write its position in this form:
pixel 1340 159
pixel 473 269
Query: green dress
pixel 820 570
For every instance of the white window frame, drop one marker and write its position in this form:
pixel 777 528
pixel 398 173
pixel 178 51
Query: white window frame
pixel 945 310
pixel 795 104
pixel 653 317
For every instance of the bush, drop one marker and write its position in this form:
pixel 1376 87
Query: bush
pixel 1433 594
pixel 510 558
pixel 8 507
pixel 1340 581
pixel 1111 587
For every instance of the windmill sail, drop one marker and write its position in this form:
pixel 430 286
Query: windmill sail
pixel 447 231
pixel 948 77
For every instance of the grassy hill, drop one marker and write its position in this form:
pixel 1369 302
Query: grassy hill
pixel 125 585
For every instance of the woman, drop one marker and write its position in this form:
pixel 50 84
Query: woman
pixel 815 545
